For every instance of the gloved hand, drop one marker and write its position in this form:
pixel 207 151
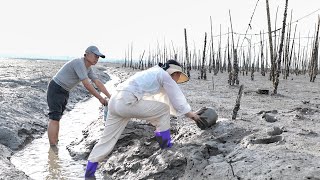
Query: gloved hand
pixel 192 115
pixel 200 122
pixel 201 110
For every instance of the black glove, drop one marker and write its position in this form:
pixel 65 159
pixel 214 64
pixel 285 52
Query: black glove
pixel 202 123
pixel 201 110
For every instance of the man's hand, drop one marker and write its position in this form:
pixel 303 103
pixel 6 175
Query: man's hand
pixel 93 91
pixel 103 101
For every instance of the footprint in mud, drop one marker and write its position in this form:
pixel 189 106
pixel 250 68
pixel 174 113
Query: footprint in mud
pixel 271 135
pixel 307 132
pixel 268 140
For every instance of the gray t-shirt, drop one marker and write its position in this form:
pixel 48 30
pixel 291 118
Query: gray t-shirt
pixel 72 73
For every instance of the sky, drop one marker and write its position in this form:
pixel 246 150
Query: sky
pixel 68 27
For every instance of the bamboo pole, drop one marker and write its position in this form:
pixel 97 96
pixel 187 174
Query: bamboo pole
pixel 243 62
pixel 229 56
pixel 292 50
pixel 235 78
pixel 203 69
pixel 287 51
pixel 262 56
pixel 276 82
pixel 212 59
pixel 267 64
pixel 272 77
pixel 314 57
pixel 219 59
pixel 212 54
pixel 131 65
pixel 125 59
pixel 299 60
pixel 187 51
pixel 140 66
pixel 275 34
pixel 252 71
pixel 174 51
pixel 229 63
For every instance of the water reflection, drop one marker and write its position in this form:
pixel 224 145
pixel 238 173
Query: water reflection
pixel 54 168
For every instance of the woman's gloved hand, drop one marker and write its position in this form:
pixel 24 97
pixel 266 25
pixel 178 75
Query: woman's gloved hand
pixel 201 110
pixel 194 116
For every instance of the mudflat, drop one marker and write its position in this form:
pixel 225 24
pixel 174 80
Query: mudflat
pixel 272 137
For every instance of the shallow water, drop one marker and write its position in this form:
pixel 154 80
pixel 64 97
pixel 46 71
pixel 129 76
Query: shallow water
pixel 39 161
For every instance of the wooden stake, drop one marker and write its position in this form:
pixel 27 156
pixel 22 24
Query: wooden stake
pixel 270 44
pixel 279 56
pixel 237 106
pixel 187 55
pixel 203 70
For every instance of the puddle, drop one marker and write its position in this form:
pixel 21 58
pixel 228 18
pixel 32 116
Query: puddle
pixel 39 161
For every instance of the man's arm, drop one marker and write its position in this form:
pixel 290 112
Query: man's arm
pixel 101 87
pixel 93 91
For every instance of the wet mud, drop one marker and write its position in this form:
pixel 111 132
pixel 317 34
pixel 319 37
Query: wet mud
pixel 273 136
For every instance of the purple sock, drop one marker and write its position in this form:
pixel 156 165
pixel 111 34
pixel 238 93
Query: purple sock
pixel 164 139
pixel 91 169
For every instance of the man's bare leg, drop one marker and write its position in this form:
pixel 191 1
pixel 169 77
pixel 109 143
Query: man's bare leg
pixel 53 132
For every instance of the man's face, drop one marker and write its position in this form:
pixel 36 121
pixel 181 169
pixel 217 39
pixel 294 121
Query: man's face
pixel 92 58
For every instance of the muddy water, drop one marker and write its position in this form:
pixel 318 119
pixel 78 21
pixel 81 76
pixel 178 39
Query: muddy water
pixel 39 161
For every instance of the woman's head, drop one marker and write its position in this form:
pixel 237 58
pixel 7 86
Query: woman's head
pixel 175 70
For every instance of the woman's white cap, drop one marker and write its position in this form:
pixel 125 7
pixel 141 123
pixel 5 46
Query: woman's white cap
pixel 172 66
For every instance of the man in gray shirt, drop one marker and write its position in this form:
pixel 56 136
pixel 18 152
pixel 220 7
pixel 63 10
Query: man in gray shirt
pixel 70 75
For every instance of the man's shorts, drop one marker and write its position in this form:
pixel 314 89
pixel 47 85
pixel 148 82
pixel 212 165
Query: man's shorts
pixel 57 99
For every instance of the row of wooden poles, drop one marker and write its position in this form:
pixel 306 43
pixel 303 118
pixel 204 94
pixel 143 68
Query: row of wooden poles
pixel 277 56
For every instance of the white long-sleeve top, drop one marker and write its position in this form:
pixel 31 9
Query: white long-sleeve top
pixel 155 83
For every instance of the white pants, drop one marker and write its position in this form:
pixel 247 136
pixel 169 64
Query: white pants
pixel 123 106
